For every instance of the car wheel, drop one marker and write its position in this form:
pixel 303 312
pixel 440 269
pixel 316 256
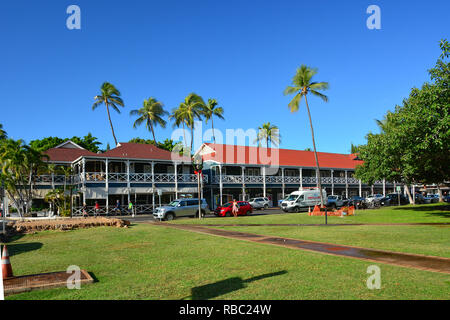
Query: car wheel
pixel 170 217
pixel 227 214
pixel 297 209
pixel 266 206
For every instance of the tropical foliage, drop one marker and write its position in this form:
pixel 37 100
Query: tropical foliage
pixel 167 144
pixel 211 110
pixel 3 134
pixel 413 145
pixel 110 97
pixel 302 85
pixel 151 113
pixel 19 165
pixel 88 142
pixel 268 133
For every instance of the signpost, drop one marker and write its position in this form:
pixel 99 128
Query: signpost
pixel 399 189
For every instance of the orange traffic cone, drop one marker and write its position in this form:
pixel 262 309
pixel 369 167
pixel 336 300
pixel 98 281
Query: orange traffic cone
pixel 6 264
pixel 309 211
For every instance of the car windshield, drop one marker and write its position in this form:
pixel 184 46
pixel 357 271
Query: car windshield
pixel 332 197
pixel 292 197
pixel 174 203
pixel 252 200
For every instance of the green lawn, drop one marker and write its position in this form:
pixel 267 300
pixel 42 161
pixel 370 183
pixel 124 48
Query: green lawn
pixel 403 214
pixel 151 262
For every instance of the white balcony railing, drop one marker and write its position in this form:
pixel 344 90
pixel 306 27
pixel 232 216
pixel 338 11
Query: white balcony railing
pixel 237 179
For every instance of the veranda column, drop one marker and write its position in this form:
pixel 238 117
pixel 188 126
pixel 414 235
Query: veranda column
pixel 153 185
pixel 84 180
pixel 384 187
pixel 264 181
pixel 282 184
pixel 243 183
pixel 107 185
pixel 220 184
pixel 346 184
pixel 176 180
pixel 360 189
pixel 372 189
pixel 128 181
pixel 332 181
pixel 395 187
pixel 301 177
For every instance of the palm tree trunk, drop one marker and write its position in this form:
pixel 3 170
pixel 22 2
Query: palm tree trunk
pixel 110 122
pixel 192 136
pixel 319 182
pixel 212 126
pixel 184 135
pixel 153 132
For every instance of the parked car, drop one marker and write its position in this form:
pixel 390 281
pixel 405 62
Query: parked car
pixel 357 202
pixel 226 210
pixel 334 201
pixel 260 203
pixel 374 198
pixel 393 197
pixel 281 201
pixel 430 198
pixel 180 208
pixel 301 200
pixel 419 198
pixel 446 198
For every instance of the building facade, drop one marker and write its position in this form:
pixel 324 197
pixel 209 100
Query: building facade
pixel 148 176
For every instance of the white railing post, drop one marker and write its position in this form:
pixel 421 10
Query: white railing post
pixel 301 177
pixel 243 183
pixel 176 180
pixel 84 179
pixel 153 185
pixel 283 183
pixel 107 185
pixel 264 181
pixel 360 189
pixel 346 184
pixel 384 187
pixel 332 181
pixel 128 182
pixel 220 183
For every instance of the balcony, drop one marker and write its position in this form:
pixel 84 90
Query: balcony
pixel 143 177
pixel 237 179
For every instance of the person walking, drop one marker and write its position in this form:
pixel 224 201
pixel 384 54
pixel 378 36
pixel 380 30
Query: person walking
pixel 97 209
pixel 117 207
pixel 85 213
pixel 130 208
pixel 235 208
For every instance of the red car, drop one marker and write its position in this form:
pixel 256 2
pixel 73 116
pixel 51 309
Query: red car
pixel 225 211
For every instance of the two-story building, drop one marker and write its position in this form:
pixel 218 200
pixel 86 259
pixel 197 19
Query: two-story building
pixel 148 176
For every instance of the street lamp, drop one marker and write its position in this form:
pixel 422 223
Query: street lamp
pixel 197 163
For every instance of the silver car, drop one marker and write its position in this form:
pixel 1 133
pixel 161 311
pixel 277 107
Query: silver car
pixel 260 203
pixel 180 208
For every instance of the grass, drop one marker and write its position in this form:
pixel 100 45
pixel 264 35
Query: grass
pixel 430 213
pixel 151 262
pixel 154 262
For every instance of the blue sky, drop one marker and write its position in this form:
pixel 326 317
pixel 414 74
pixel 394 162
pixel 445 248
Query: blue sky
pixel 243 53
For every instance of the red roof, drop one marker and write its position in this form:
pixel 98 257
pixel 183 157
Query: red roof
pixel 229 154
pixel 141 151
pixel 67 154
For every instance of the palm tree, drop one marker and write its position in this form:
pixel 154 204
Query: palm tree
pixel 212 110
pixel 152 113
pixel 3 134
pixel 109 96
pixel 302 84
pixel 193 107
pixel 268 132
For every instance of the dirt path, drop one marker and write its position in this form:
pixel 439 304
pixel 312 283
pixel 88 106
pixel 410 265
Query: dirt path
pixel 416 261
pixel 320 225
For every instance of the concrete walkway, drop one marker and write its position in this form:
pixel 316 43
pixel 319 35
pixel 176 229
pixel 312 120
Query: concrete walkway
pixel 416 261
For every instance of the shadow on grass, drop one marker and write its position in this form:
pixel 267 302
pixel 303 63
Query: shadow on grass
pixel 442 210
pixel 18 248
pixel 216 289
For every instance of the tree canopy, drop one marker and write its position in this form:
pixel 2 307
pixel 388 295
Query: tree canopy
pixel 89 142
pixel 413 145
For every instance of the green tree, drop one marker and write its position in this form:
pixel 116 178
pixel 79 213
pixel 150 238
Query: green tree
pixel 189 110
pixel 110 97
pixel 19 166
pixel 152 114
pixel 412 146
pixel 268 133
pixel 210 111
pixel 302 85
pixel 3 134
pixel 88 142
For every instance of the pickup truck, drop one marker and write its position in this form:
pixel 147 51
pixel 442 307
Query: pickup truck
pixel 335 201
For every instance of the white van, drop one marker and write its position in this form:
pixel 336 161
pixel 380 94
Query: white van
pixel 302 199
